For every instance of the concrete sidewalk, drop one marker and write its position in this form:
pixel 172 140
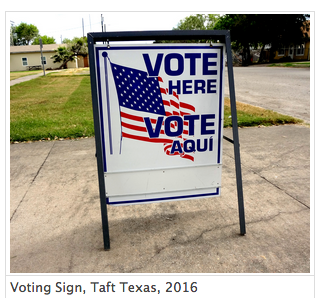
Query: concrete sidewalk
pixel 28 78
pixel 55 224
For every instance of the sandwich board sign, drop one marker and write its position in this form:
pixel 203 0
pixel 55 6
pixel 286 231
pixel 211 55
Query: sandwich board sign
pixel 158 114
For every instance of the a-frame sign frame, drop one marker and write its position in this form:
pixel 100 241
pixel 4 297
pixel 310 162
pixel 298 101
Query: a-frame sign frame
pixel 224 37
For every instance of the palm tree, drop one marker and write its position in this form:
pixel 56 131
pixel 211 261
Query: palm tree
pixel 63 55
pixel 77 47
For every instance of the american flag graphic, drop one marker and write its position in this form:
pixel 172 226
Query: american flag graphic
pixel 141 96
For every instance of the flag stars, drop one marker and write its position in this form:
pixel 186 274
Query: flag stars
pixel 137 91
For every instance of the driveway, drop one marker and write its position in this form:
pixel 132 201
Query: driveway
pixel 281 89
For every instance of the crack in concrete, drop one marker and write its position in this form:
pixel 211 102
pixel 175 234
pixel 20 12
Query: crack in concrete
pixel 274 216
pixel 272 183
pixel 32 182
pixel 158 251
pixel 187 242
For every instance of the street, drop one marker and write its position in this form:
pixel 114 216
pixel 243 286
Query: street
pixel 281 89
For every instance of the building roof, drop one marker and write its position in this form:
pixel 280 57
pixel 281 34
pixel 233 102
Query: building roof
pixel 34 48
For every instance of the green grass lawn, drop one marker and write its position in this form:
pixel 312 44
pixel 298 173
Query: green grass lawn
pixel 60 107
pixel 49 107
pixel 292 64
pixel 249 115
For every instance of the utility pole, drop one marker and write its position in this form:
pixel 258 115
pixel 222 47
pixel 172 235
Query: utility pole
pixel 102 25
pixel 83 28
pixel 41 47
pixel 11 33
pixel 61 39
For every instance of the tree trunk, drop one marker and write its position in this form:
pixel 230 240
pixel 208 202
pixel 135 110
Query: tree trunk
pixel 273 49
pixel 249 62
pixel 261 58
pixel 64 64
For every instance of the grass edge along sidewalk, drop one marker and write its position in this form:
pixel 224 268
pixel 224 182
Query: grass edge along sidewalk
pixel 55 107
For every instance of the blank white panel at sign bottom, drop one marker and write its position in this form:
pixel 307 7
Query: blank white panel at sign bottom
pixel 176 183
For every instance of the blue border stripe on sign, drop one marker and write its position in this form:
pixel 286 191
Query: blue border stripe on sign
pixel 165 199
pixel 220 107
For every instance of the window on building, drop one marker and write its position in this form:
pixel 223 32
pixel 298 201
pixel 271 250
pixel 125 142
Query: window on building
pixel 24 61
pixel 300 49
pixel 281 51
pixel 43 59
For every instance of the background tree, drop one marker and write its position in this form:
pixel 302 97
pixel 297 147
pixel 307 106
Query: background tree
pixel 25 34
pixel 76 47
pixel 63 55
pixel 66 40
pixel 45 40
pixel 258 30
pixel 198 22
pixel 194 22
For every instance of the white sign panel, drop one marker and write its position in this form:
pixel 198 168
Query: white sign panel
pixel 161 115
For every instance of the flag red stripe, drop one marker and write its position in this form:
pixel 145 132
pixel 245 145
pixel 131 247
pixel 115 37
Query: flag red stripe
pixel 166 103
pixel 134 127
pixel 175 94
pixel 137 128
pixel 188 157
pixel 163 90
pixel 187 106
pixel 175 104
pixel 131 117
pixel 135 118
